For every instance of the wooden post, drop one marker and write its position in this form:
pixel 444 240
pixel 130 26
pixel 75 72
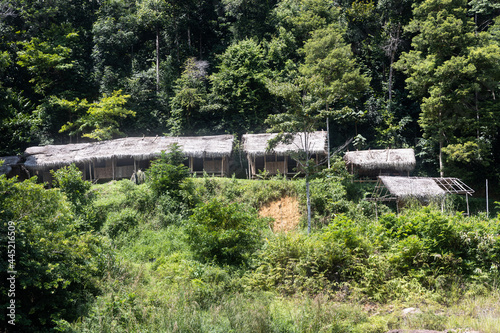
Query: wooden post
pixel 191 163
pixel 249 159
pixel 113 162
pixel 284 166
pixel 90 171
pixel 265 162
pixel 467 200
pixel 135 167
pixel 222 167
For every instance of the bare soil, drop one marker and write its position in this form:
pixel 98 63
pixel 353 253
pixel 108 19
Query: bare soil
pixel 284 211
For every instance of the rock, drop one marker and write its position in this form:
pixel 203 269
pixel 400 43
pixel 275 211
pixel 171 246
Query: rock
pixel 409 311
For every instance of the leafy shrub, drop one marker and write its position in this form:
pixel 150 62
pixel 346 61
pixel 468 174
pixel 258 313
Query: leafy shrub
pixel 294 263
pixel 167 173
pixel 120 222
pixel 225 233
pixel 58 266
pixel 69 180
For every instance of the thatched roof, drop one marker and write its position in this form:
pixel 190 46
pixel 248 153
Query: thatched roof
pixel 256 144
pixel 137 148
pixel 404 187
pixel 381 159
pixel 8 162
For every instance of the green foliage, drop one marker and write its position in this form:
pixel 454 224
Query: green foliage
pixel 239 94
pixel 101 118
pixel 69 180
pixel 57 265
pixel 167 173
pixel 190 95
pixel 121 222
pixel 45 61
pixel 224 233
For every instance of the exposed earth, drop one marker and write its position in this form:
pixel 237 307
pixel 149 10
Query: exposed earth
pixel 285 212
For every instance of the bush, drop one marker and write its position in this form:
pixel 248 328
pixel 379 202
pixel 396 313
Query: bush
pixel 224 233
pixel 120 222
pixel 58 266
pixel 69 180
pixel 167 173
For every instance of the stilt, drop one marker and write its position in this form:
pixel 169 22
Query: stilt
pixel 467 200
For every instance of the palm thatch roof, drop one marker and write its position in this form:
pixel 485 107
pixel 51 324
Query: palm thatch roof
pixel 405 187
pixel 257 144
pixel 8 162
pixel 137 148
pixel 381 159
pixel 390 188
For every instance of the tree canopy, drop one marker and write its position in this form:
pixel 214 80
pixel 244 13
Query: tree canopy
pixel 418 74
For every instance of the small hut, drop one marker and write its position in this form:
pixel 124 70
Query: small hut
pixel 373 163
pixel 423 189
pixel 120 158
pixel 278 160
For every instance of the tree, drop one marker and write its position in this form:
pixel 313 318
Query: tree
pixel 56 266
pixel 154 14
pixel 167 173
pixel 332 68
pixel 328 83
pixel 46 62
pixel 447 71
pixel 101 118
pixel 239 96
pixel 227 233
pixel 190 94
pixel 302 117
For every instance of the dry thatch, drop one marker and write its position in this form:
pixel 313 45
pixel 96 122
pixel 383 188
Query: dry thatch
pixel 137 148
pixel 8 162
pixel 405 187
pixel 366 161
pixel 257 144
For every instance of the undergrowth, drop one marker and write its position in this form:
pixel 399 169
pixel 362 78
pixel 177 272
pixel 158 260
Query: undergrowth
pixel 182 267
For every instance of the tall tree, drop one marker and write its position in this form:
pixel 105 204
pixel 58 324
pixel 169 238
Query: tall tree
pixel 239 97
pixel 190 94
pixel 155 14
pixel 444 72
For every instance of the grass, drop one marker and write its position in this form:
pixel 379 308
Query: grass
pixel 156 285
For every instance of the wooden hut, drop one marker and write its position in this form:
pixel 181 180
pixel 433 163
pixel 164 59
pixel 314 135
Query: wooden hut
pixel 120 158
pixel 373 163
pixel 278 160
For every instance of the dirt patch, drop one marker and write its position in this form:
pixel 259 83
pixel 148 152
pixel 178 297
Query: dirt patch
pixel 285 212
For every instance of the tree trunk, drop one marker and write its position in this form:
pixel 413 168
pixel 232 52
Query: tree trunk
pixel 308 205
pixel 157 60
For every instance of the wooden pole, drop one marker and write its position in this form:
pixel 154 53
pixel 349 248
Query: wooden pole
pixel 113 161
pixel 467 200
pixel 487 202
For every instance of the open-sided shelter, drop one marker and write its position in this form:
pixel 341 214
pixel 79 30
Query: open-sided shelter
pixel 423 189
pixel 373 163
pixel 120 158
pixel 278 159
